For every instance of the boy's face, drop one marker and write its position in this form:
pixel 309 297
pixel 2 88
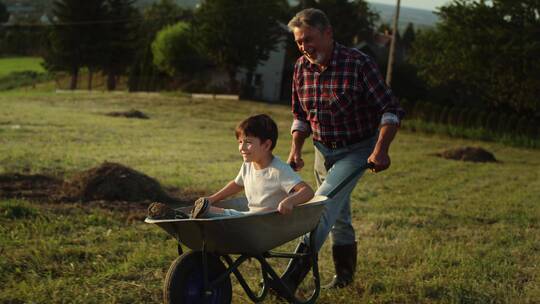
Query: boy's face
pixel 252 149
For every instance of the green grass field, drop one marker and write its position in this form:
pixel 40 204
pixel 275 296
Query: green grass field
pixel 19 64
pixel 429 230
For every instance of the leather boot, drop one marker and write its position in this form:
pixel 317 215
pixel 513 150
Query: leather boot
pixel 344 257
pixel 296 271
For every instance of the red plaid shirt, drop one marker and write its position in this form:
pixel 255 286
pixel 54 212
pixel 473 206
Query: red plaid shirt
pixel 346 101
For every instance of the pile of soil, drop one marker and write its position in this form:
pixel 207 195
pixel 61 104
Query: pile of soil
pixel 35 187
pixel 113 182
pixel 129 114
pixel 472 154
pixel 109 186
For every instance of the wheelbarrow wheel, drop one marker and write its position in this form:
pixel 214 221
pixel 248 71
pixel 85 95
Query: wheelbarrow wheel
pixel 184 281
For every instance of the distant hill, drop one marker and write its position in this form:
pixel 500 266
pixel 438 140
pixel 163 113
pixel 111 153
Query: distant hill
pixel 419 17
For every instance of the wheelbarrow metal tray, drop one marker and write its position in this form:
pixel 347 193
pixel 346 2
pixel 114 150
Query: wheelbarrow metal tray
pixel 246 234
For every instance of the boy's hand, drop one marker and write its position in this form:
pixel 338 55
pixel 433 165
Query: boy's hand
pixel 285 207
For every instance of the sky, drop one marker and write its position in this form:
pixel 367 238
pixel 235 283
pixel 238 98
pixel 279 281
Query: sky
pixel 423 4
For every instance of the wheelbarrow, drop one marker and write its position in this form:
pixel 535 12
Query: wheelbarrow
pixel 202 275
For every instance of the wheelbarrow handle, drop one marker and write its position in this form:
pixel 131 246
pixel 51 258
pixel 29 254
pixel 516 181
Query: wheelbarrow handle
pixel 349 178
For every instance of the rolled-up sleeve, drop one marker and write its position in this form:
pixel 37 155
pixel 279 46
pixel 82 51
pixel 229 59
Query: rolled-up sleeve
pixel 299 125
pixel 390 119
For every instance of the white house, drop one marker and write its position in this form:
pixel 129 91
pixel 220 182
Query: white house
pixel 267 77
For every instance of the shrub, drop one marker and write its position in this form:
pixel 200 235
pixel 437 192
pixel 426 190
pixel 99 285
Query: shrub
pixel 502 123
pixel 444 115
pixel 481 119
pixel 423 110
pixel 462 117
pixel 532 129
pixel 453 116
pixel 472 116
pixel 418 110
pixel 428 112
pixel 22 79
pixel 492 121
pixel 522 126
pixel 17 210
pixel 508 124
pixel 175 52
pixel 406 105
pixel 435 113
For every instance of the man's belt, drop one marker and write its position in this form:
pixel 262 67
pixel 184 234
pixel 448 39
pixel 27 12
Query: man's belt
pixel 337 144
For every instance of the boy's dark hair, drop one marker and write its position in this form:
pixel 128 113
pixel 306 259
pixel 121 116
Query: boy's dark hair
pixel 261 126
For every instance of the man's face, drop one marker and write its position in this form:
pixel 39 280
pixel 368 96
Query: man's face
pixel 313 43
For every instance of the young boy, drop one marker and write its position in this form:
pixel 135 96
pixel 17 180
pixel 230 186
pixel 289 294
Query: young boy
pixel 268 182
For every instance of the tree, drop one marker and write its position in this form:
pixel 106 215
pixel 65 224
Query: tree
pixel 239 33
pixel 144 75
pixel 408 36
pixel 4 14
pixel 484 51
pixel 119 39
pixel 352 21
pixel 72 42
pixel 20 37
pixel 385 28
pixel 164 13
pixel 174 52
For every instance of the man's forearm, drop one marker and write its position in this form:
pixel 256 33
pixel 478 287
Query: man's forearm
pixel 386 136
pixel 298 139
pixel 379 157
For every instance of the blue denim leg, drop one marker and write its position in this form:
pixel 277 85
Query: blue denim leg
pixel 231 207
pixel 332 166
pixel 226 213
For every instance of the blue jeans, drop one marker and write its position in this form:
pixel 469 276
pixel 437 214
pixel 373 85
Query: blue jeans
pixel 226 213
pixel 332 166
pixel 231 207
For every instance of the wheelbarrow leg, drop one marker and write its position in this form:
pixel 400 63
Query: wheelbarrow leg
pixel 297 270
pixel 206 284
pixel 315 263
pixel 233 267
pixel 180 250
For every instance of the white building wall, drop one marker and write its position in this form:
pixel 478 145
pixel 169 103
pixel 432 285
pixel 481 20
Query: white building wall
pixel 271 72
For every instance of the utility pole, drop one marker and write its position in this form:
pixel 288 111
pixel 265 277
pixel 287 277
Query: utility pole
pixel 392 46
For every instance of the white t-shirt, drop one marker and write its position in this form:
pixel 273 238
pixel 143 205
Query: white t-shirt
pixel 267 187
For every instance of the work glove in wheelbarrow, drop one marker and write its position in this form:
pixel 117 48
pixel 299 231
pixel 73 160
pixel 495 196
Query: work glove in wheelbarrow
pixel 160 211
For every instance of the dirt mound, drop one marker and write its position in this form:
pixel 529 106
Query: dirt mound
pixel 129 114
pixel 472 154
pixel 113 182
pixel 36 187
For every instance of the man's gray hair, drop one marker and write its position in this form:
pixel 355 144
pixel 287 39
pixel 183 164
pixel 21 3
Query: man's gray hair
pixel 311 17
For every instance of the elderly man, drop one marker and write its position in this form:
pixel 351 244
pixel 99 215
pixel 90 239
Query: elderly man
pixel 340 98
